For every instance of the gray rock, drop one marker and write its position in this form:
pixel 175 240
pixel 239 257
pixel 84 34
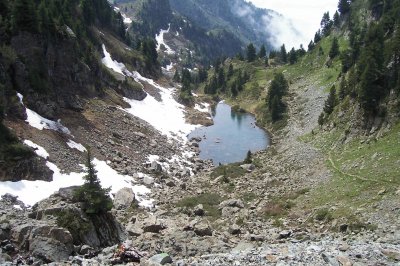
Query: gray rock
pixel 248 167
pixel 148 180
pixel 203 229
pixel 199 210
pixel 124 198
pixel 51 243
pixel 156 167
pixel 284 234
pixel 234 229
pixel 232 203
pixel 161 259
pixel 85 249
pixel 329 260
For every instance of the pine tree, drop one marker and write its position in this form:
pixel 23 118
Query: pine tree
pixel 343 6
pixel 371 70
pixel 334 51
pixel 336 19
pixel 342 89
pixel 311 46
pixel 230 70
pixel 321 119
pixel 317 37
pixel 251 53
pixel 292 56
pixel 263 52
pixel 248 158
pixel 24 17
pixel 275 109
pixel 283 54
pixel 330 103
pixel 93 197
pixel 326 24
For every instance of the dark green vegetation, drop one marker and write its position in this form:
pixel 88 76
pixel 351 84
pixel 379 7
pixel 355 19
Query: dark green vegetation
pixel 50 52
pixel 94 199
pixel 210 203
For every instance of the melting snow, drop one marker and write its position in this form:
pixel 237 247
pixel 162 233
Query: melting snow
pixel 31 192
pixel 127 20
pixel 108 62
pixel 37 121
pixel 203 107
pixel 167 116
pixel 73 145
pixel 40 151
pixel 160 40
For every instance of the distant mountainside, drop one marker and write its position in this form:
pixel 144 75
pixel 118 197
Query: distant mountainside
pixel 247 22
pixel 210 29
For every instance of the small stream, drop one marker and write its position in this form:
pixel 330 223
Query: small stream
pixel 231 137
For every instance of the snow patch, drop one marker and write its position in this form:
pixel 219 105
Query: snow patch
pixel 31 192
pixel 112 64
pixel 37 121
pixel 167 116
pixel 127 20
pixel 203 107
pixel 17 207
pixel 160 40
pixel 73 145
pixel 40 151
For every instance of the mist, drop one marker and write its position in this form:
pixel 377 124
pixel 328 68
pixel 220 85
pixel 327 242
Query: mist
pixel 272 26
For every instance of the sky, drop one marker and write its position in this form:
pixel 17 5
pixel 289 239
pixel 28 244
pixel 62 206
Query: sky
pixel 305 14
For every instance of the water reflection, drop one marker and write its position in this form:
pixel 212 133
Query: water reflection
pixel 231 136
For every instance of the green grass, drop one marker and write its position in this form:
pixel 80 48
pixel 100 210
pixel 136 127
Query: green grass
pixel 210 203
pixel 230 170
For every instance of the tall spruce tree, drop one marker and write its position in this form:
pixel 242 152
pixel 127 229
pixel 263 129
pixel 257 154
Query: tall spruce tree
pixel 334 51
pixel 93 197
pixel 330 102
pixel 283 54
pixel 24 17
pixel 344 6
pixel 251 53
pixel 263 52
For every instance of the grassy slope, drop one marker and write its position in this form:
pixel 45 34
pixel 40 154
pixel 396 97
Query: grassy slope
pixel 364 172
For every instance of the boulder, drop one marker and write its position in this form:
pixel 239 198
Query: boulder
pixel 152 225
pixel 199 210
pixel 51 243
pixel 124 198
pixel 203 229
pixel 148 180
pixel 284 234
pixel 232 203
pixel 160 259
pixel 248 167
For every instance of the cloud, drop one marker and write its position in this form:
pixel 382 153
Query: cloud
pixel 305 15
pixel 273 27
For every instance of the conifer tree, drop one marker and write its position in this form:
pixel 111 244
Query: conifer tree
pixel 292 56
pixel 343 6
pixel 251 53
pixel 230 70
pixel 334 51
pixel 263 52
pixel 330 103
pixel 24 17
pixel 93 197
pixel 283 54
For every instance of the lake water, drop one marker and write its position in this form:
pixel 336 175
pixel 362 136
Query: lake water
pixel 231 137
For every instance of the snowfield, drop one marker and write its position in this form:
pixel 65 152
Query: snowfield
pixel 160 40
pixel 37 121
pixel 167 116
pixel 31 192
